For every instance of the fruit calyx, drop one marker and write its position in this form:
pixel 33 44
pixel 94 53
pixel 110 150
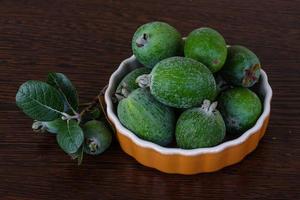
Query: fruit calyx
pixel 250 75
pixel 209 107
pixel 142 40
pixel 123 93
pixel 39 127
pixel 92 144
pixel 144 80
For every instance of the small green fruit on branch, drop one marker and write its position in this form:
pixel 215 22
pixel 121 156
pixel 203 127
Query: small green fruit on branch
pixel 97 137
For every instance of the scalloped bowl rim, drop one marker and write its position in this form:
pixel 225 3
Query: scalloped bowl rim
pixel 185 152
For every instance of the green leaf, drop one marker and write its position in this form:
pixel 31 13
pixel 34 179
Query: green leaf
pixel 70 136
pixel 78 155
pixel 40 101
pixel 66 88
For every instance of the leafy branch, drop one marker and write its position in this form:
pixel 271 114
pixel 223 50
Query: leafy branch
pixel 54 106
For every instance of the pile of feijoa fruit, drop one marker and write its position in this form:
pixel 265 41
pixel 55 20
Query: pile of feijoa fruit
pixel 194 91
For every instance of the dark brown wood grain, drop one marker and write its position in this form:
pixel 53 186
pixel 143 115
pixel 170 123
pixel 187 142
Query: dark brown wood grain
pixel 87 39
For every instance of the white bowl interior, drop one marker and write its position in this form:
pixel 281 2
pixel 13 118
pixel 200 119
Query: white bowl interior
pixel 131 63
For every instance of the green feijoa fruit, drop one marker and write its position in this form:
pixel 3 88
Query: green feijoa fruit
pixel 128 83
pixel 200 127
pixel 150 120
pixel 242 67
pixel 97 137
pixel 240 108
pixel 207 46
pixel 180 82
pixel 155 41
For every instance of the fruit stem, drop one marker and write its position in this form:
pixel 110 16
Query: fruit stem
pixel 144 80
pixel 66 116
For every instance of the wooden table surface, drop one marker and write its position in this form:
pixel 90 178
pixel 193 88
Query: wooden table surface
pixel 87 39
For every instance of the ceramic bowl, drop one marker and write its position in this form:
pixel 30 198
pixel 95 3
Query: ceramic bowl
pixel 181 161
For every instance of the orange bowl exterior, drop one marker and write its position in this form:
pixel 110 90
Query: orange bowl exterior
pixel 194 164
